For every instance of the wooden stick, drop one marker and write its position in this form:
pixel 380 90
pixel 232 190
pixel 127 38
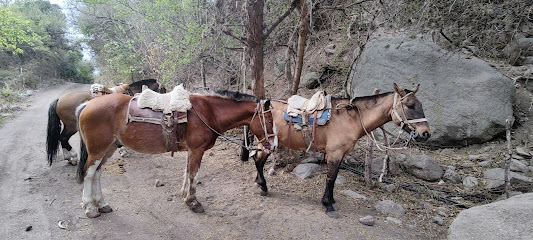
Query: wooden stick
pixel 507 165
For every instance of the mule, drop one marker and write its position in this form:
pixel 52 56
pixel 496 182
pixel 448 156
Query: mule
pixel 103 126
pixel 62 123
pixel 350 120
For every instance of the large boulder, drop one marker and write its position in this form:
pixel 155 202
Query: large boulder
pixel 506 219
pixel 465 100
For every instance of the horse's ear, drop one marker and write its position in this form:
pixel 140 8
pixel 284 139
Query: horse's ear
pixel 266 104
pixel 415 89
pixel 398 90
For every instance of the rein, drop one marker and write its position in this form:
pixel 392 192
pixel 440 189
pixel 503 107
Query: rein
pixel 262 120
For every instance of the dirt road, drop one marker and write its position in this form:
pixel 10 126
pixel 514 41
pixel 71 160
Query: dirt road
pixel 35 197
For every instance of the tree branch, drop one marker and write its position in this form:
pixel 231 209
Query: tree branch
pixel 280 19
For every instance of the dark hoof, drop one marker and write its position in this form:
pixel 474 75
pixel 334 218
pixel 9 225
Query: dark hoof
pixel 263 193
pixel 197 207
pixel 105 209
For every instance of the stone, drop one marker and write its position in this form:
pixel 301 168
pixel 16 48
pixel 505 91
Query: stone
pixel 367 220
pixel 306 170
pixel 474 99
pixel 389 207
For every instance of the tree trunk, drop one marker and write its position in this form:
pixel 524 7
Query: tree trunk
pixel 255 45
pixel 304 29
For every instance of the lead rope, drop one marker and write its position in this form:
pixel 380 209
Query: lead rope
pixel 224 138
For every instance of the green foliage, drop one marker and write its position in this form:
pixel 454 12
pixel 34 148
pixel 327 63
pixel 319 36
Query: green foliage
pixel 8 95
pixel 15 29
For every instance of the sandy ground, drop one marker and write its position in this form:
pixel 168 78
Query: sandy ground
pixel 35 196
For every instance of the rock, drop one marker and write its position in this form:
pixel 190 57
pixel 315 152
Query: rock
pixel 389 207
pixel 518 166
pixel 158 183
pixel 340 180
pixel 311 80
pixel 486 163
pixel 367 220
pixel 353 194
pixel 350 160
pixel 438 220
pixel 390 188
pixel 452 176
pixel 394 220
pixel 330 49
pixel 306 170
pixel 495 178
pixel 507 219
pixel 423 167
pixel 470 182
pixel 522 152
pixel 468 88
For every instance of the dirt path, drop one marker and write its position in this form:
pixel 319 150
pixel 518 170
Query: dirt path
pixel 34 194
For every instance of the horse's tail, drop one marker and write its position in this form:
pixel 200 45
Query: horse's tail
pixel 80 173
pixel 245 152
pixel 53 132
pixel 83 159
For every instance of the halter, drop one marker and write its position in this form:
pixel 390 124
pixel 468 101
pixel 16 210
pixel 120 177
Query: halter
pixel 404 121
pixel 260 108
pixel 259 111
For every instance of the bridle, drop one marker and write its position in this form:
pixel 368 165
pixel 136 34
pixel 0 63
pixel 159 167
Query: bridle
pixel 404 121
pixel 260 113
pixel 394 113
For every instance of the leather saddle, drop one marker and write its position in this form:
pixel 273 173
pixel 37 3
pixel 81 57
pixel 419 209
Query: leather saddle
pixel 161 109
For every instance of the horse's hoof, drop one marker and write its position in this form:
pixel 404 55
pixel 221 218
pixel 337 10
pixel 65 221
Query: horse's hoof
pixel 73 162
pixel 105 209
pixel 263 193
pixel 197 207
pixel 92 213
pixel 333 214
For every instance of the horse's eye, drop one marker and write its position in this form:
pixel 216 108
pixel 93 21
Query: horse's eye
pixel 410 105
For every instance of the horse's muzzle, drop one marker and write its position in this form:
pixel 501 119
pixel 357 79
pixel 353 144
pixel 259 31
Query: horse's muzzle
pixel 420 137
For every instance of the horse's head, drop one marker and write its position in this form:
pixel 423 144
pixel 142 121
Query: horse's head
pixel 407 112
pixel 123 88
pixel 263 126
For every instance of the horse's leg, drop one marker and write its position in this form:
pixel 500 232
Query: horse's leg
pixel 91 209
pixel 103 207
pixel 68 153
pixel 188 191
pixel 333 161
pixel 260 160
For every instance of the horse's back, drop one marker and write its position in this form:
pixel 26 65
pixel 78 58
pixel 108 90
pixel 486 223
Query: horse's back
pixel 67 104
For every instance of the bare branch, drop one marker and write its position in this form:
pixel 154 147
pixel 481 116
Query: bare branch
pixel 280 19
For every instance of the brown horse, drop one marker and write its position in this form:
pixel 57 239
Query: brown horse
pixel 62 110
pixel 103 126
pixel 350 120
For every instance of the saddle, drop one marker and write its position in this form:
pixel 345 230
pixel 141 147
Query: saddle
pixel 302 111
pixel 167 110
pixel 315 111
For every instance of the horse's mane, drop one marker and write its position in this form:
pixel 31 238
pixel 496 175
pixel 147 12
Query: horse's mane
pixel 143 82
pixel 238 96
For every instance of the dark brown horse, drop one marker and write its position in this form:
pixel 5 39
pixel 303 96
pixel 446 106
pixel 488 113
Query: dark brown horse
pixel 62 111
pixel 136 87
pixel 103 126
pixel 350 120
